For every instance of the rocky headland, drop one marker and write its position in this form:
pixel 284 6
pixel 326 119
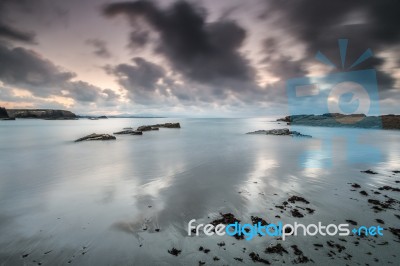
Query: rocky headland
pixel 4 114
pixel 48 114
pixel 341 120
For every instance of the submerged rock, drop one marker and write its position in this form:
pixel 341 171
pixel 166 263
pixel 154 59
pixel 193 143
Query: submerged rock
pixel 174 251
pixel 95 136
pixel 128 132
pixel 279 132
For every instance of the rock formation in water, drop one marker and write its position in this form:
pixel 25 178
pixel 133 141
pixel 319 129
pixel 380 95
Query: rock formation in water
pixel 279 132
pixel 157 126
pixel 95 136
pixel 340 120
pixel 41 114
pixel 128 132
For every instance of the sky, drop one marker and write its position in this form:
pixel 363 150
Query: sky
pixel 207 58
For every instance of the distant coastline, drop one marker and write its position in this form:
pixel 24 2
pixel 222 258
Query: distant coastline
pixel 390 121
pixel 54 114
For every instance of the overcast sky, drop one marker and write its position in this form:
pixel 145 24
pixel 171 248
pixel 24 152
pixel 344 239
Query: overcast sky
pixel 193 58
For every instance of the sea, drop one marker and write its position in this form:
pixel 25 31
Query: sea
pixel 128 201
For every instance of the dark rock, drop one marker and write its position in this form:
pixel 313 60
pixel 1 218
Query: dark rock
pixel 238 259
pixel 382 205
pixel 395 231
pixel 256 258
pixel 174 251
pixel 310 211
pixel 144 128
pixel 390 188
pixel 364 193
pixel 296 213
pixel 157 126
pixel 293 199
pixel 380 221
pixel 279 132
pixel 300 256
pixel 355 185
pixel 256 220
pixel 95 136
pixel 167 125
pixel 277 249
pixel 369 171
pixel 352 222
pixel 227 218
pixel 128 131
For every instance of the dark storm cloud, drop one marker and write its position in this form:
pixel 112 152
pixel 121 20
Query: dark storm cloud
pixel 100 48
pixel 139 79
pixel 25 68
pixel 138 38
pixel 13 34
pixel 203 52
pixel 141 76
pixel 318 24
pixel 28 70
pixel 282 66
pixel 9 32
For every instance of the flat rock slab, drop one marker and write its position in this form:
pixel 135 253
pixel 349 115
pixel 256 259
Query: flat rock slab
pixel 157 126
pixel 95 136
pixel 128 132
pixel 279 132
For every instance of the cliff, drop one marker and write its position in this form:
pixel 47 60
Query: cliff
pixel 41 114
pixel 3 113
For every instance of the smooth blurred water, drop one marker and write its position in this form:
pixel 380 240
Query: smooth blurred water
pixel 88 203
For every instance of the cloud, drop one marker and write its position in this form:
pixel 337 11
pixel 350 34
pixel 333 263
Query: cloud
pixel 201 51
pixel 141 79
pixel 318 25
pixel 26 69
pixel 13 34
pixel 8 32
pixel 100 48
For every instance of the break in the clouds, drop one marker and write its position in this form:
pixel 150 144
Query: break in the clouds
pixel 187 55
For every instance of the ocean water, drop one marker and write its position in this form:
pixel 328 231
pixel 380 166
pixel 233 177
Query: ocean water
pixel 99 203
